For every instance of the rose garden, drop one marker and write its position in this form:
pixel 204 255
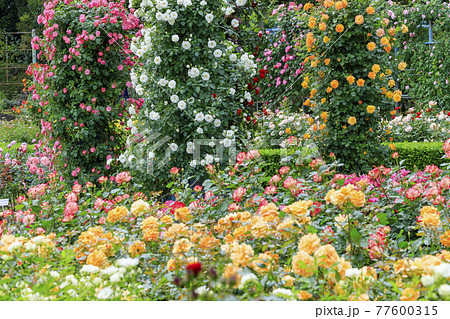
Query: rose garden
pixel 230 150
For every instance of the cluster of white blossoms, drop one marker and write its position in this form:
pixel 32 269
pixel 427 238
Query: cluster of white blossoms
pixel 246 62
pixel 149 77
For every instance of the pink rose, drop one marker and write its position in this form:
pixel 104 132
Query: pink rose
pixel 284 170
pixel 123 177
pixel 317 178
pixel 174 170
pixel 72 197
pixel 274 180
pixel 412 193
pixel 239 193
pixel 82 18
pixel 102 179
pixel 253 154
pixel 77 188
pixel 45 161
pixel 33 169
pixel 270 190
pixel 289 183
pixel 102 220
pixel 71 208
pixel 28 219
pixel 446 146
pixel 198 188
pixel 40 231
pixel 445 183
pixel 241 157
pixel 233 207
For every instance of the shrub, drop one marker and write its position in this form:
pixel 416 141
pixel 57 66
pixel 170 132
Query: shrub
pixel 78 88
pixel 194 80
pixel 419 155
pixel 348 45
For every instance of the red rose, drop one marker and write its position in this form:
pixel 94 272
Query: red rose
pixel 194 268
pixel 239 112
pixel 175 206
pixel 255 80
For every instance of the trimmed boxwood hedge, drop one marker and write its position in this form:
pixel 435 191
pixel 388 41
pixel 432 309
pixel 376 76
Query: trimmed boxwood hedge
pixel 419 155
pixel 415 156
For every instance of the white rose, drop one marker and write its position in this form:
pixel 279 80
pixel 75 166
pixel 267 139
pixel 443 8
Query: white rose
pixel 173 147
pixel 105 293
pixel 175 38
pixel 444 290
pixel 217 123
pixel 172 84
pixel 128 262
pixel 181 105
pixel 209 118
pixel 217 53
pixel 352 272
pixel 186 45
pixel 427 280
pixel 174 98
pixel 442 270
pixel 233 57
pixel 157 60
pixel 209 17
pixel 199 130
pixel 211 44
pixel 234 23
pixel 205 76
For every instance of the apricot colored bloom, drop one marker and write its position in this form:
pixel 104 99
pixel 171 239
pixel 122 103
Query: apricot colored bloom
pixel 352 120
pixel 339 28
pixel 182 246
pixel 97 258
pixel 136 249
pixel 231 272
pixel 166 219
pixel 370 10
pixel 429 217
pixel 259 227
pixel 322 26
pixel 326 61
pixel 149 223
pixel 445 238
pixel 351 79
pixel 370 109
pixel 329 89
pixel 409 294
pixel 309 40
pixel 402 66
pixel 359 19
pixel 372 75
pixel 304 295
pixel 360 82
pixel 263 264
pixel 334 84
pixel 376 68
pixel 208 243
pixel 384 41
pixel 183 214
pixel 303 264
pixel 371 46
pixel 380 32
pixel 241 255
pixel 338 5
pixel 312 22
pixel 309 243
pixel 118 214
pixel 326 39
pixel 176 231
pixel 139 207
pixel 358 198
pixel 326 256
pixel 269 212
pixel 299 209
pixel 396 97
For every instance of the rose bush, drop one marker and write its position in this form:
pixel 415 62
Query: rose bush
pixel 85 47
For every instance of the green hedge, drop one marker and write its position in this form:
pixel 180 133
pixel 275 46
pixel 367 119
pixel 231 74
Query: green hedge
pixel 273 158
pixel 419 155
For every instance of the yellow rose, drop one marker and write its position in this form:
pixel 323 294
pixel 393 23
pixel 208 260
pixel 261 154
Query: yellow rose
pixel 371 46
pixel 339 28
pixel 309 243
pixel 409 294
pixel 303 264
pixel 370 109
pixel 139 207
pixel 402 66
pixel 360 82
pixel 352 120
pixel 97 258
pixel 118 214
pixel 370 10
pixel 326 256
pixel 137 248
pixel 359 19
pixel 334 84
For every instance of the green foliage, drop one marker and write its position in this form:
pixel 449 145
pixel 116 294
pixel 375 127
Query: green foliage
pixel 428 72
pixel 339 51
pixel 21 130
pixel 78 89
pixel 418 155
